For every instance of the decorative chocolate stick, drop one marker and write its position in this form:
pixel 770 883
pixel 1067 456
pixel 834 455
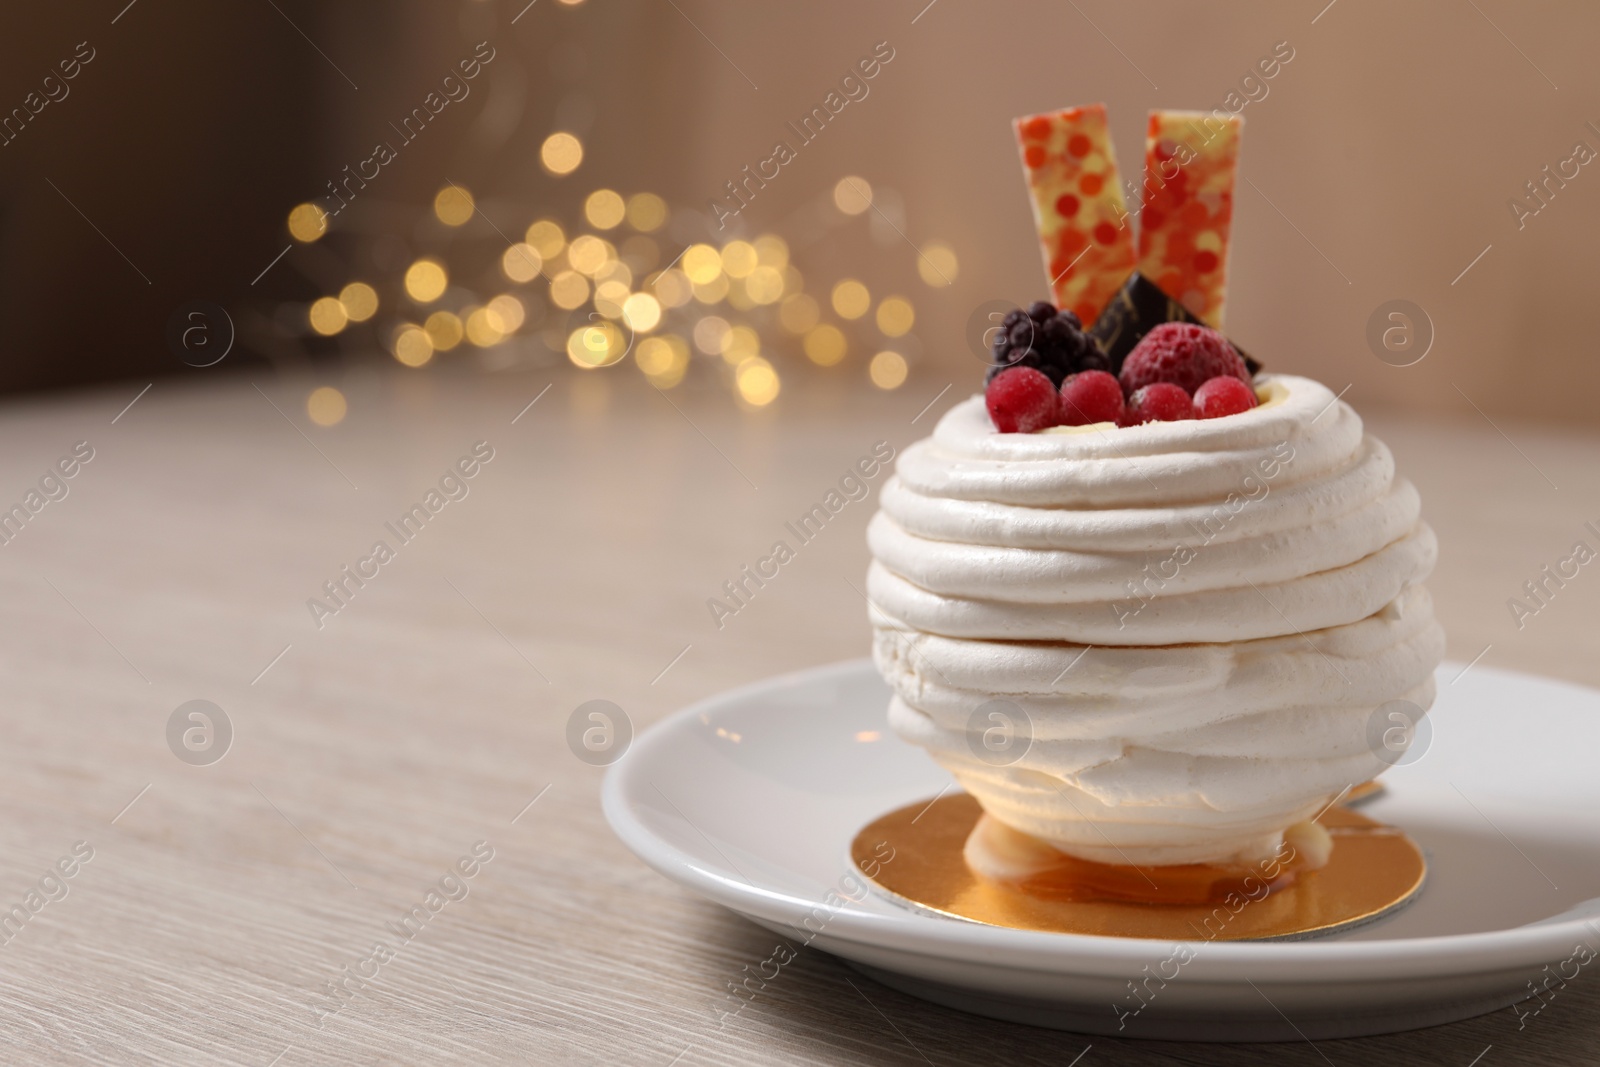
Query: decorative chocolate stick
pixel 1190 161
pixel 1078 206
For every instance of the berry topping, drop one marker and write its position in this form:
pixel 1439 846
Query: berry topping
pixel 1223 396
pixel 1090 396
pixel 1158 402
pixel 1022 400
pixel 1047 340
pixel 1182 354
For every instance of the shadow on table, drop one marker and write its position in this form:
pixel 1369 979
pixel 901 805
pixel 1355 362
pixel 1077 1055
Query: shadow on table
pixel 819 1009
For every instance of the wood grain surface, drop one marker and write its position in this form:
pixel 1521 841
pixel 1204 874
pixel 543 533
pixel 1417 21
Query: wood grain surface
pixel 426 719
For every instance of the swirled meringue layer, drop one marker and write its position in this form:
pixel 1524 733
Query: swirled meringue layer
pixel 1184 754
pixel 1280 520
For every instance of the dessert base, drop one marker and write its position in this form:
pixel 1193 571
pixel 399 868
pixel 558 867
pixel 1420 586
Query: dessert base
pixel 1374 869
pixel 1362 793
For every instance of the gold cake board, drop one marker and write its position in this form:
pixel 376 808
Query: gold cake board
pixel 1374 869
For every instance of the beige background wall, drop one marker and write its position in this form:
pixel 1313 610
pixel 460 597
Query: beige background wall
pixel 1390 145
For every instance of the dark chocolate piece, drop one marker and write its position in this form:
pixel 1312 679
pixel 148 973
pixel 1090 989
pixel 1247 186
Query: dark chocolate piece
pixel 1139 307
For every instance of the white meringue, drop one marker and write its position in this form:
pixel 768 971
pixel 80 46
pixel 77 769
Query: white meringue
pixel 1250 587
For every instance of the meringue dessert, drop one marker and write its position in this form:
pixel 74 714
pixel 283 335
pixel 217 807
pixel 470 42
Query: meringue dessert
pixel 1196 619
pixel 1144 601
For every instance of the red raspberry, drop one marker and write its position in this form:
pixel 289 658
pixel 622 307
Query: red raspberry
pixel 1090 396
pixel 1158 402
pixel 1223 396
pixel 1181 353
pixel 1022 400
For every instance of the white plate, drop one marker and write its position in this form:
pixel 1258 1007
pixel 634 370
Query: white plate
pixel 752 797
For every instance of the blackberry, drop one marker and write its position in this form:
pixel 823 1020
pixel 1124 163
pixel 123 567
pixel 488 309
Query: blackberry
pixel 1047 340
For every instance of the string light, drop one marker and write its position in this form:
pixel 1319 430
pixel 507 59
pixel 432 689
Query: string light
pixel 851 299
pixel 604 209
pixel 896 316
pixel 887 370
pixel 609 297
pixel 757 382
pixel 360 301
pixel 411 346
pixel 937 264
pixel 547 238
pixel 852 195
pixel 307 222
pixel 742 275
pixel 664 360
pixel 646 212
pixel 326 406
pixel 701 263
pixel 521 262
pixel 327 316
pixel 588 254
pixel 483 328
pixel 561 153
pixel 453 205
pixel 596 346
pixel 739 344
pixel 642 312
pixel 426 281
pixel 443 329
pixel 506 313
pixel 739 259
pixel 825 345
pixel 569 290
pixel 709 333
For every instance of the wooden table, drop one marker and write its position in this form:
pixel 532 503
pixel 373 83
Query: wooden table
pixel 428 713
